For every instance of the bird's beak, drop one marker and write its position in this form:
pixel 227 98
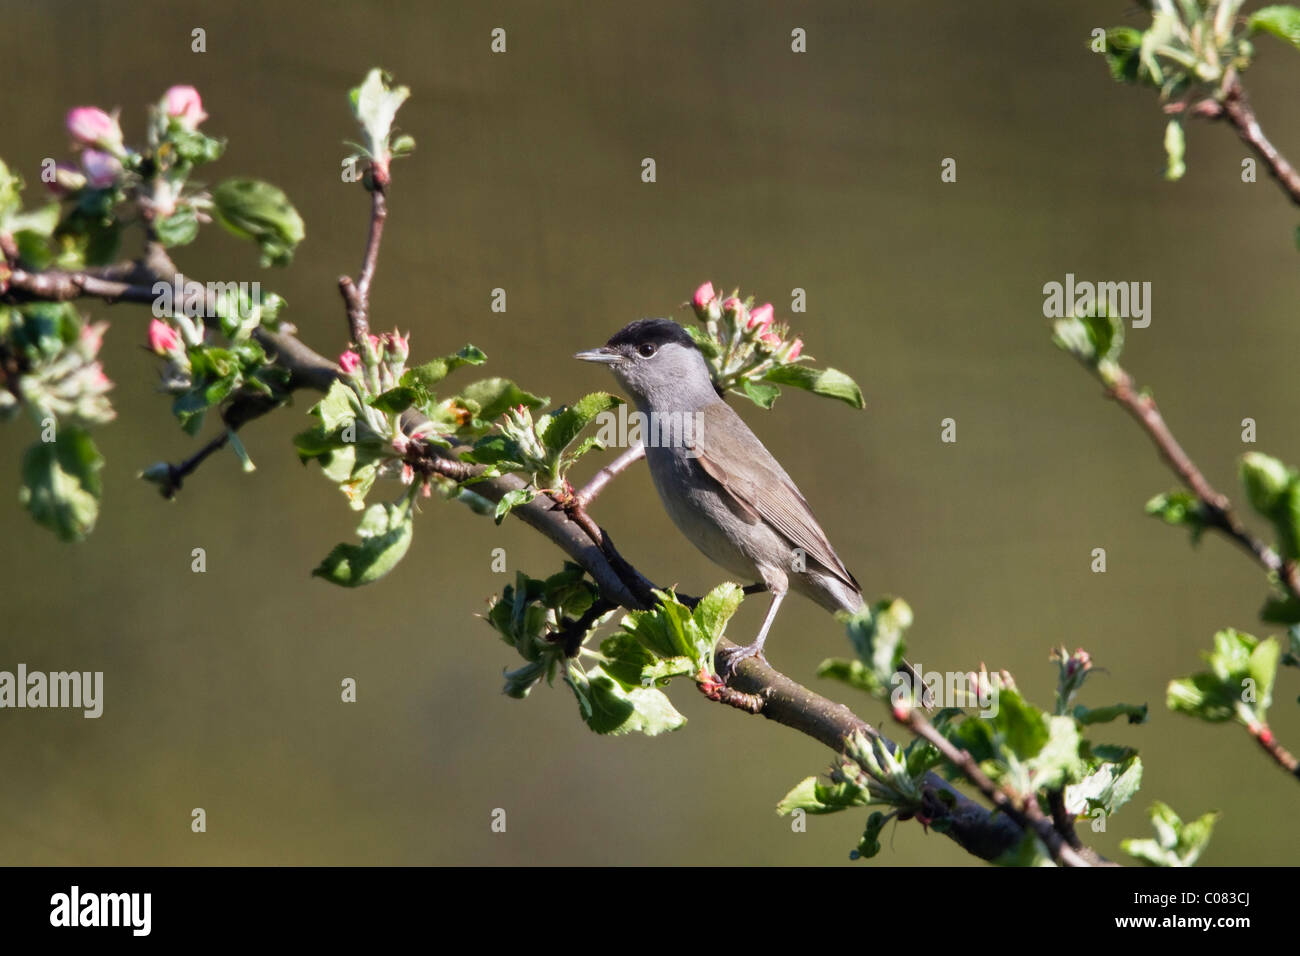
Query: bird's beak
pixel 604 355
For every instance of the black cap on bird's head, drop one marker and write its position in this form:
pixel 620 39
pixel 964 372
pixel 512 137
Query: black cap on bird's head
pixel 643 338
pixel 653 331
pixel 655 357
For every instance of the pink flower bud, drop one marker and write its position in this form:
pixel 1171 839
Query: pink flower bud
pixel 703 296
pixel 101 169
pixel 163 338
pixel 761 317
pixel 770 339
pixel 91 126
pixel 731 304
pixel 350 362
pixel 795 349
pixel 67 179
pixel 184 104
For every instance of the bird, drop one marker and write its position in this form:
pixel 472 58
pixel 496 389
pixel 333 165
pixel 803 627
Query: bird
pixel 720 486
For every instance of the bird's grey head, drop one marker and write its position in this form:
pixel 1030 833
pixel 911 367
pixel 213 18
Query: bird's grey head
pixel 657 363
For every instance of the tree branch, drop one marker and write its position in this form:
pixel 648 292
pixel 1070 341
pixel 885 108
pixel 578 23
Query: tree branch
pixel 1023 809
pixel 1216 509
pixel 607 474
pixel 1238 112
pixel 1268 743
pixel 356 296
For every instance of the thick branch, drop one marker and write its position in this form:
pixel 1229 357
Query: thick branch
pixel 983 834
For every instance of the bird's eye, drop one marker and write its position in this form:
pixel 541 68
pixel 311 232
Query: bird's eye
pixel 647 349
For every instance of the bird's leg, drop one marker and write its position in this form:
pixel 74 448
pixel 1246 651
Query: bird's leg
pixel 755 649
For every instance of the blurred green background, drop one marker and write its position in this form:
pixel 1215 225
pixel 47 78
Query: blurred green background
pixel 775 170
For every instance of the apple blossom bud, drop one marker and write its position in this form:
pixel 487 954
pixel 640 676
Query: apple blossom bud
pixel 350 362
pixel 91 126
pixel 163 338
pixel 734 310
pixel 102 169
pixel 761 317
pixel 703 296
pixel 184 104
pixel 771 340
pixel 796 348
pixel 399 346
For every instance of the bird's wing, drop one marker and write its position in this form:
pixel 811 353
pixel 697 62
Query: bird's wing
pixel 731 454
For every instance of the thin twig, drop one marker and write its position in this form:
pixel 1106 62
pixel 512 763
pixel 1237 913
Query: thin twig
pixel 1268 743
pixel 603 477
pixel 1023 809
pixel 1238 112
pixel 1216 509
pixel 176 474
pixel 356 296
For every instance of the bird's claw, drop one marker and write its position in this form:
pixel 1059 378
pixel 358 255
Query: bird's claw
pixel 729 660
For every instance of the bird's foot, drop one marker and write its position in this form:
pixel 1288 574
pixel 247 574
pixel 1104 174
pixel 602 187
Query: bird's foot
pixel 729 660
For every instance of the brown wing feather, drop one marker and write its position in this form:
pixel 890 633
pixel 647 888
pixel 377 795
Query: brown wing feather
pixel 731 454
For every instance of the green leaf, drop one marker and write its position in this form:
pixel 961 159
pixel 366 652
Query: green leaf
pixel 61 486
pixel 1239 663
pixel 375 105
pixel 385 533
pixel 1108 787
pixel 1058 761
pixel 396 399
pixel 1203 696
pixel 1096 340
pixel 511 500
pixel 429 374
pixel 820 381
pixel 36 222
pixel 813 796
pixel 493 396
pixel 1282 21
pixel 1122 53
pixel 178 229
pixel 1181 509
pixel 876 634
pixel 762 394
pixel 632 664
pixel 566 424
pixel 252 209
pixel 869 845
pixel 1176 843
pixel 610 708
pixel 716 609
pixel 854 673
pixel 1266 481
pixel 339 407
pixel 1175 149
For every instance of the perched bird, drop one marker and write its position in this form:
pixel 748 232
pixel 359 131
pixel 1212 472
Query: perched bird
pixel 720 486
